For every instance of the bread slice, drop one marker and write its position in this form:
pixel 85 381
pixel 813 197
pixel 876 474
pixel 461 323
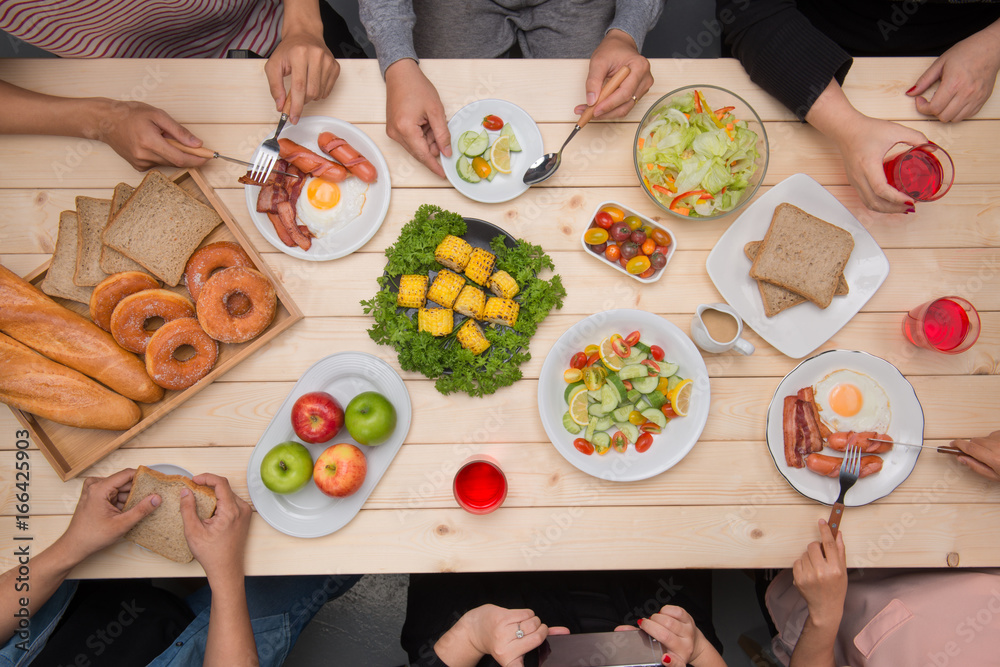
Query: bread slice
pixel 777 299
pixel 113 261
pixel 160 226
pixel 163 530
pixel 803 254
pixel 59 278
pixel 92 215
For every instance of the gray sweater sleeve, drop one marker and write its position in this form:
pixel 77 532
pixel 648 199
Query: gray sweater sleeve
pixel 390 28
pixel 636 17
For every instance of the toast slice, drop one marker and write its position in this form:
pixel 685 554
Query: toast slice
pixel 160 226
pixel 59 278
pixel 777 299
pixel 113 261
pixel 92 216
pixel 803 254
pixel 163 530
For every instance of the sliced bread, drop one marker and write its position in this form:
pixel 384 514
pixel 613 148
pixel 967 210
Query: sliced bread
pixel 113 261
pixel 160 226
pixel 777 299
pixel 92 216
pixel 803 254
pixel 163 530
pixel 59 278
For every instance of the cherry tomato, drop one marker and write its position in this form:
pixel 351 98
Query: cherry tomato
pixel 603 220
pixel 638 237
pixel 593 358
pixel 628 384
pixel 598 248
pixel 481 167
pixel 579 360
pixel 572 375
pixel 616 213
pixel 613 252
pixel 492 122
pixel 620 231
pixel 648 247
pixel 585 447
pixel 638 264
pixel 633 338
pixel 590 349
pixel 648 273
pixel 661 237
pixel 629 250
pixel 595 235
pixel 592 379
pixel 668 411
pixel 654 368
pixel 657 260
pixel 650 427
pixel 619 441
pixel 633 222
pixel 662 385
pixel 647 230
pixel 644 442
pixel 635 417
pixel 623 262
pixel 656 352
pixel 620 347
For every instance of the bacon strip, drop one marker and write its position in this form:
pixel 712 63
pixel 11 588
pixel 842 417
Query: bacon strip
pixel 807 394
pixel 792 455
pixel 310 163
pixel 343 152
pixel 286 213
pixel 829 466
pixel 279 228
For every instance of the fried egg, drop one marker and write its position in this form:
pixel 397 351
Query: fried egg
pixel 852 401
pixel 326 207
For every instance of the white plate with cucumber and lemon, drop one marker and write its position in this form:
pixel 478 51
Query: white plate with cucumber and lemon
pixel 615 421
pixel 488 160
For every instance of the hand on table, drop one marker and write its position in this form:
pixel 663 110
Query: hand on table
pixel 982 455
pixel 138 133
pixel 415 116
pixel 311 65
pixel 820 575
pixel 492 630
pixel 967 73
pixel 219 541
pixel 616 50
pixel 98 520
pixel 685 644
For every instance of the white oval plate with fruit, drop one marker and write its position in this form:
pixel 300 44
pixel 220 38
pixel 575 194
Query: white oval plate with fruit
pixel 309 511
pixel 677 437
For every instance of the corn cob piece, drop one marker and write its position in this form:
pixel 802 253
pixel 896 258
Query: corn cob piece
pixel 435 321
pixel 470 302
pixel 480 266
pixel 501 311
pixel 503 285
pixel 445 288
pixel 453 252
pixel 412 292
pixel 471 337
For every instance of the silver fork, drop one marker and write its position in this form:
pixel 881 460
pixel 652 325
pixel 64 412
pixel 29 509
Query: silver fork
pixel 850 470
pixel 269 151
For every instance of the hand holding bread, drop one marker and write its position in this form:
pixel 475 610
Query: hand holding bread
pixel 218 542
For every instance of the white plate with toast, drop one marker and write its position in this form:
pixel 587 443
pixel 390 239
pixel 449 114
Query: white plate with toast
pixel 358 231
pixel 905 425
pixel 798 330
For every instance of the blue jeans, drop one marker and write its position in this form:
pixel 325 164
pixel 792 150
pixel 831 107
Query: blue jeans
pixel 280 607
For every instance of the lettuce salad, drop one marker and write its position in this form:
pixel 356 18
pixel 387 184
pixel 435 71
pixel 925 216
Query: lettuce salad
pixel 694 159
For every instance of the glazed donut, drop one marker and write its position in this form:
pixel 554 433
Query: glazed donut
pixel 113 289
pixel 167 370
pixel 223 324
pixel 211 258
pixel 128 321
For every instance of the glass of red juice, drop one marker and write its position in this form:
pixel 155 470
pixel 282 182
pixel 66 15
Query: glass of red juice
pixel 923 172
pixel 480 485
pixel 949 324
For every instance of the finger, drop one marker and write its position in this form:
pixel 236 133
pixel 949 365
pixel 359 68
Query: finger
pixel 968 111
pixel 598 71
pixel 930 75
pixel 314 77
pixel 144 508
pixel 979 467
pixel 558 630
pixel 975 448
pixel 521 616
pixel 841 550
pixel 619 628
pixel 829 543
pixel 675 612
pixel 331 72
pixel 429 138
pixel 419 148
pixel 620 98
pixel 223 491
pixel 887 199
pixel 275 81
pixel 439 126
pixel 116 481
pixel 936 104
pixel 951 111
pixel 172 128
pixel 189 513
pixel 297 91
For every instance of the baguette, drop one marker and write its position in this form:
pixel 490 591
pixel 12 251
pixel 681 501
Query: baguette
pixel 34 319
pixel 163 531
pixel 38 385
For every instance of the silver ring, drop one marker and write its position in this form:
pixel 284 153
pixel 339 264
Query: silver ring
pixel 520 632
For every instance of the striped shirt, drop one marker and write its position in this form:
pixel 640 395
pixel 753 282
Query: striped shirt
pixel 144 28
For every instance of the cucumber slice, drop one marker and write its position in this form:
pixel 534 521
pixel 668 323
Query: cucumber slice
pixel 614 380
pixel 642 346
pixel 631 372
pixel 570 425
pixel 609 398
pixel 493 171
pixel 466 140
pixel 656 399
pixel 570 389
pixel 673 381
pixel 465 171
pixel 597 410
pixel 508 131
pixel 635 356
pixel 655 416
pixel 667 369
pixel 604 423
pixel 478 145
pixel 595 394
pixel 602 442
pixel 591 430
pixel 646 385
pixel 622 412
pixel 633 395
pixel 630 430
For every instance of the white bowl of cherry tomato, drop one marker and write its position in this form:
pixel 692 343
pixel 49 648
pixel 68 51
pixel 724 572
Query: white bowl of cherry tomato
pixel 629 242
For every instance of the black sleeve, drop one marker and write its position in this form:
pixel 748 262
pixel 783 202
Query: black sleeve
pixel 781 50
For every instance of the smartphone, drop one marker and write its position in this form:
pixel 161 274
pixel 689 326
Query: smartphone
pixel 601 649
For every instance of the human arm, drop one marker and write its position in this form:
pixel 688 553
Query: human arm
pixel 491 630
pixel 219 543
pixel 303 55
pixel 389 24
pixel 134 130
pixel 415 115
pixel 982 455
pixel 674 628
pixel 967 73
pixel 97 522
pixel 820 576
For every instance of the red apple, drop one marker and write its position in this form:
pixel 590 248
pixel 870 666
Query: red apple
pixel 317 417
pixel 340 470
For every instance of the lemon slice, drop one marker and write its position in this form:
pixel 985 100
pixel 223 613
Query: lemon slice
pixel 578 402
pixel 500 155
pixel 608 356
pixel 680 397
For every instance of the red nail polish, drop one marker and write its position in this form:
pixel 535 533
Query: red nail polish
pixel 666 659
pixel 911 210
pixel 909 203
pixel 911 90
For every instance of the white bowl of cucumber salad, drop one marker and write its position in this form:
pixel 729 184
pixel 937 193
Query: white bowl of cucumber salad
pixel 647 382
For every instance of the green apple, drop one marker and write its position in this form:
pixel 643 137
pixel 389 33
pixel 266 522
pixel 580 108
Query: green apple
pixel 370 418
pixel 286 468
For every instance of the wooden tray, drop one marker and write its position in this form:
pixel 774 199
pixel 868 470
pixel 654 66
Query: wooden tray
pixel 72 450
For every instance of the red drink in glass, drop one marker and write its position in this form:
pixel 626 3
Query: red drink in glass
pixel 950 325
pixel 480 486
pixel 923 172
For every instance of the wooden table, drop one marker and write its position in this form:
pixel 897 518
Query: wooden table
pixel 723 506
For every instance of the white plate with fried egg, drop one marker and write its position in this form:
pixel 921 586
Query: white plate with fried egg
pixel 342 216
pixel 855 391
